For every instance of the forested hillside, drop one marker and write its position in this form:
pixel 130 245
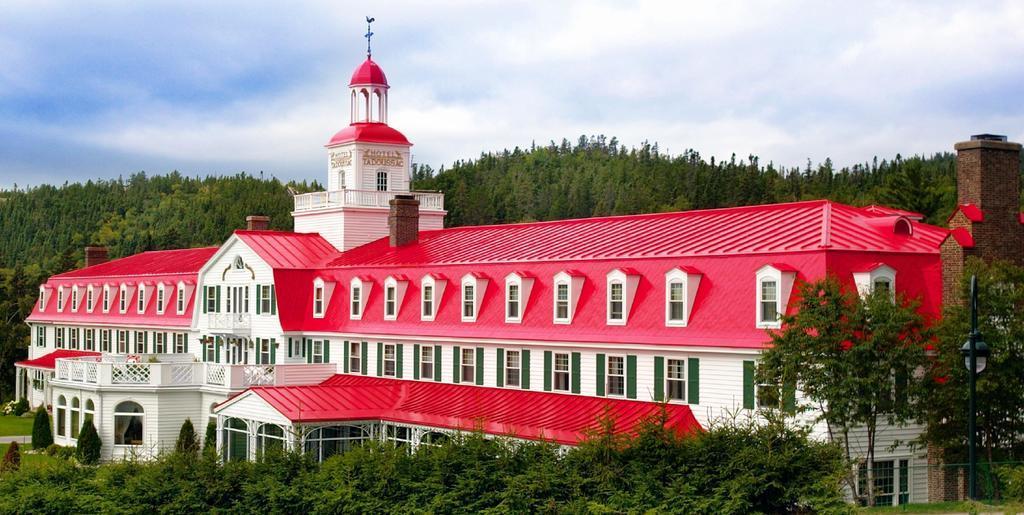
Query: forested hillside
pixel 43 229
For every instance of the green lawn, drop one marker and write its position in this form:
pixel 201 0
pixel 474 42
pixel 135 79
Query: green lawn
pixel 15 426
pixel 28 459
pixel 946 507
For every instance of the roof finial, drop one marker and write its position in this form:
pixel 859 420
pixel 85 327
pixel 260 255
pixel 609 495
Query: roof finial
pixel 369 34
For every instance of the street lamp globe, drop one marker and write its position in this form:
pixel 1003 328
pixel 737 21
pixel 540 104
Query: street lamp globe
pixel 981 354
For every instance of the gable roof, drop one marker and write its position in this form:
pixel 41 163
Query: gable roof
pixel 764 229
pixel 562 418
pixel 281 249
pixel 151 263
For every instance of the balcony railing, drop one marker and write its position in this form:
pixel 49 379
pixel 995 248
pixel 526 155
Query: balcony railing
pixel 180 370
pixel 231 322
pixel 364 198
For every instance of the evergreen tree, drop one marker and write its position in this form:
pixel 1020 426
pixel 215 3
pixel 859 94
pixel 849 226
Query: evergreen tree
pixel 89 444
pixel 42 434
pixel 188 442
pixel 210 439
pixel 12 459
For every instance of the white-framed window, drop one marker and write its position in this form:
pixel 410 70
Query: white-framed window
pixel 468 302
pixel 123 300
pixel 179 298
pixel 356 299
pixel 266 299
pixel 318 351
pixel 615 379
pixel 768 300
pixel 390 301
pixel 390 360
pixel 140 342
pixel 517 295
pixel 676 302
pixel 61 416
pixel 122 342
pixel 58 337
pixel 513 368
pixel 179 343
pixel 74 298
pixel 468 365
pixel 428 302
pixel 431 289
pixel 106 299
pixel 211 299
pixel 128 423
pixel 675 379
pixel 681 284
pixel 427 362
pixel 73 332
pixel 159 343
pixel 616 302
pixel 560 372
pixel 76 417
pixel 773 283
pixel 318 300
pixel 880 277
pixel 382 181
pixel 142 299
pixel 104 340
pixel 265 351
pixel 512 312
pixel 882 284
pixel 41 336
pixel 160 300
pixel 60 298
pixel 562 302
pixel 90 299
pixel 354 357
pixel 42 299
pixel 90 339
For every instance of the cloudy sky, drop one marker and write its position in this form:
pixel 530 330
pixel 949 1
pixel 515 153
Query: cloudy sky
pixel 101 89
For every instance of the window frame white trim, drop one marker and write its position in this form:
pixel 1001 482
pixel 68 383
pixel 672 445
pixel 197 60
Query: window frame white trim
pixel 479 284
pixel 161 299
pixel 784 278
pixel 506 368
pixel 394 360
pixel 318 288
pixel 399 285
pixel 364 287
pixel 555 371
pixel 865 280
pixel 629 281
pixel 574 283
pixel 90 298
pixel 608 375
pixel 74 299
pixel 140 301
pixel 471 352
pixel 437 285
pixel 180 302
pixel 524 285
pixel 690 279
pixel 106 298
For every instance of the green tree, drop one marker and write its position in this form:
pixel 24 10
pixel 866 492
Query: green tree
pixel 188 442
pixel 42 434
pixel 855 358
pixel 89 444
pixel 210 439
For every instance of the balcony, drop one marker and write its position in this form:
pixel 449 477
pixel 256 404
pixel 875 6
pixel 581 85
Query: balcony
pixel 230 323
pixel 429 201
pixel 180 370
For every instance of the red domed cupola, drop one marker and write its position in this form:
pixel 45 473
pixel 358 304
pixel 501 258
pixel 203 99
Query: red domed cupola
pixel 368 74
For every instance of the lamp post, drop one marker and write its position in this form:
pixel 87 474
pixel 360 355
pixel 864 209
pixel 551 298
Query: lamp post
pixel 975 353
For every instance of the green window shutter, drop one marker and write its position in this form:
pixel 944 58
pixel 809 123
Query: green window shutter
pixel 693 381
pixel 327 351
pixel 145 343
pixel 289 347
pixel 575 357
pixel 600 375
pixel 216 349
pixel 258 349
pixel 455 364
pixel 748 384
pixel 659 378
pixel 259 293
pixel 416 361
pixel 547 371
pixel 345 355
pixel 204 299
pixel 499 379
pixel 789 397
pixel 479 365
pixel 631 376
pixel 437 363
pixel 398 360
pixel 524 363
pixel 185 339
pixel 309 350
pixel 380 359
pixel 364 362
pixel 273 300
pixel 217 300
pixel 273 351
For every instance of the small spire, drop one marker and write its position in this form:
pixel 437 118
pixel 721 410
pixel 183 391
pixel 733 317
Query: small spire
pixel 368 35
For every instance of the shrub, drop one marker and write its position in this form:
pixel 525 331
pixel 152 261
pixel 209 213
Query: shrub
pixel 12 459
pixel 1012 479
pixel 42 435
pixel 187 441
pixel 52 449
pixel 21 407
pixel 210 440
pixel 89 444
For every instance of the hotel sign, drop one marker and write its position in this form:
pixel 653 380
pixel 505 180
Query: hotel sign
pixel 391 158
pixel 340 159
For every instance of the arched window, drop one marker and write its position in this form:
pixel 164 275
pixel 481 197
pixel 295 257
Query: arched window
pixel 382 181
pixel 239 264
pixel 324 442
pixel 76 416
pixel 236 440
pixel 61 416
pixel 90 411
pixel 128 423
pixel 434 438
pixel 269 437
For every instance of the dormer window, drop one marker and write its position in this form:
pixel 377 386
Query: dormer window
pixel 566 292
pixel 123 299
pixel 142 299
pixel 74 298
pixel 774 283
pixel 616 299
pixel 180 299
pixel 106 299
pixel 389 301
pixel 517 294
pixel 394 292
pixel 473 288
pixel 681 285
pixel 42 299
pixel 90 300
pixel 60 298
pixel 359 292
pixel 431 289
pixel 318 300
pixel 512 303
pixel 160 300
pixel 877 277
pixel 621 288
pixel 562 302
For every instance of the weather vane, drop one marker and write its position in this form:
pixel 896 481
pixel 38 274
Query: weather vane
pixel 369 34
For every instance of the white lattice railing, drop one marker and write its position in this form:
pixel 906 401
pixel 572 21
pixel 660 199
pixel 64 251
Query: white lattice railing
pixel 364 198
pixel 216 374
pixel 182 373
pixel 256 375
pixel 130 373
pixel 179 370
pixel 229 321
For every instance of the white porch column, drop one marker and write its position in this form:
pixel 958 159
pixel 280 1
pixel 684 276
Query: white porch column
pixel 19 379
pixel 220 433
pixel 251 426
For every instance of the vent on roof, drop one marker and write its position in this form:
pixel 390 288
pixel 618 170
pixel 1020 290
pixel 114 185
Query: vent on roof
pixel 988 137
pixel 903 227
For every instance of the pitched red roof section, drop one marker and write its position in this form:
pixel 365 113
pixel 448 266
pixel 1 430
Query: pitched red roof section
pixel 763 229
pixel 370 132
pixel 561 418
pixel 152 263
pixel 886 210
pixel 282 249
pixel 49 361
pixel 963 237
pixel 971 211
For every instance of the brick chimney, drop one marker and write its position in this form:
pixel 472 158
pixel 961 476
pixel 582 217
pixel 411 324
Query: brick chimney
pixel 257 223
pixel 987 222
pixel 404 220
pixel 95 255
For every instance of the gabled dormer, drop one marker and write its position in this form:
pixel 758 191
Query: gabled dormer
pixel 774 283
pixel 681 284
pixel 395 287
pixel 518 286
pixel 182 294
pixel 45 292
pixel 358 294
pixel 431 292
pixel 621 290
pixel 323 290
pixel 109 290
pixel 75 298
pixel 566 295
pixel 473 288
pixel 877 276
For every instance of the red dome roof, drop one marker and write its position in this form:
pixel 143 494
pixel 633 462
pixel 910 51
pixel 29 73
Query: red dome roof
pixel 370 133
pixel 368 73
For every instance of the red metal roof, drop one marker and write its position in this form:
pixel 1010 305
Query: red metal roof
pixel 370 132
pixel 49 360
pixel 561 418
pixel 963 237
pixel 152 263
pixel 764 229
pixel 886 210
pixel 288 249
pixel 971 211
pixel 368 73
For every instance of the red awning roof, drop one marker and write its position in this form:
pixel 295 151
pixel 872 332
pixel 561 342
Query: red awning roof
pixel 561 418
pixel 49 360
